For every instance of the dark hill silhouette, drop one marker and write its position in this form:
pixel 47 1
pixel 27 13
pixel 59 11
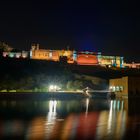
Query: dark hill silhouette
pixel 30 67
pixel 30 74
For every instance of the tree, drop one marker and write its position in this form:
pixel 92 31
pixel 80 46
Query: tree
pixel 69 85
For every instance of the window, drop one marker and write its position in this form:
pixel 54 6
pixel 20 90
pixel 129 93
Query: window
pixel 117 88
pixel 121 88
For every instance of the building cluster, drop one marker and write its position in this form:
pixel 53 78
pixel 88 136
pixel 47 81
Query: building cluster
pixel 22 54
pixel 70 56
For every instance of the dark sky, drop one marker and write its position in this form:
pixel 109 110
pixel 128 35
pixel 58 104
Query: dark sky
pixel 111 27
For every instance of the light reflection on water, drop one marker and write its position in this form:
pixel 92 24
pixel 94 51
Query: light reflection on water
pixel 68 119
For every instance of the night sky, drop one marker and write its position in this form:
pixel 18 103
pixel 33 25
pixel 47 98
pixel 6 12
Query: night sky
pixel 111 27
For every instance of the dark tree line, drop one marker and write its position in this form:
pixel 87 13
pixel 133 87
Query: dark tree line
pixel 22 74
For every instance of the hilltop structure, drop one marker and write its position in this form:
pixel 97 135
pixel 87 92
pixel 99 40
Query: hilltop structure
pixel 53 55
pixel 69 56
pixel 79 58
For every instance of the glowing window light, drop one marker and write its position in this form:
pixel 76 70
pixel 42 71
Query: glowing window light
pixel 121 88
pixel 11 55
pixel 113 88
pixel 18 55
pixel 24 56
pixel 5 54
pixel 50 55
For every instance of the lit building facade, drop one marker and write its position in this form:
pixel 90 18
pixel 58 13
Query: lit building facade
pixel 52 55
pixel 125 86
pixel 87 58
pixel 79 58
pixel 23 54
pixel 71 56
pixel 115 61
pixel 132 65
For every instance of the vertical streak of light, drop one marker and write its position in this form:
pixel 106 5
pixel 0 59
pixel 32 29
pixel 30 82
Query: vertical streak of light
pixel 123 119
pixel 87 105
pixel 110 116
pixel 122 106
pixel 118 105
pixel 51 118
pixel 114 104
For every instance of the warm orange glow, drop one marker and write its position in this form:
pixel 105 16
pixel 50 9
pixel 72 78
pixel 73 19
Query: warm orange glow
pixel 55 56
pixel 80 58
pixel 37 129
pixel 87 59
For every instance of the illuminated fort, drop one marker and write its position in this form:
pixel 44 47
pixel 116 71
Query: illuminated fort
pixel 79 58
pixel 50 55
pixel 70 56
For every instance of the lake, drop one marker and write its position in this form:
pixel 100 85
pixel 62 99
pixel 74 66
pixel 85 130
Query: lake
pixel 70 119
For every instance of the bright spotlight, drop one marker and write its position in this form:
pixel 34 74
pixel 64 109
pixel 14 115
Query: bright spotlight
pixel 54 88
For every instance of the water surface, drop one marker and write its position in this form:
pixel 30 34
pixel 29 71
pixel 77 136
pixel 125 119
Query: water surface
pixel 54 119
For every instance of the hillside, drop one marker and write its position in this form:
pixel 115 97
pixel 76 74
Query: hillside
pixel 35 74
